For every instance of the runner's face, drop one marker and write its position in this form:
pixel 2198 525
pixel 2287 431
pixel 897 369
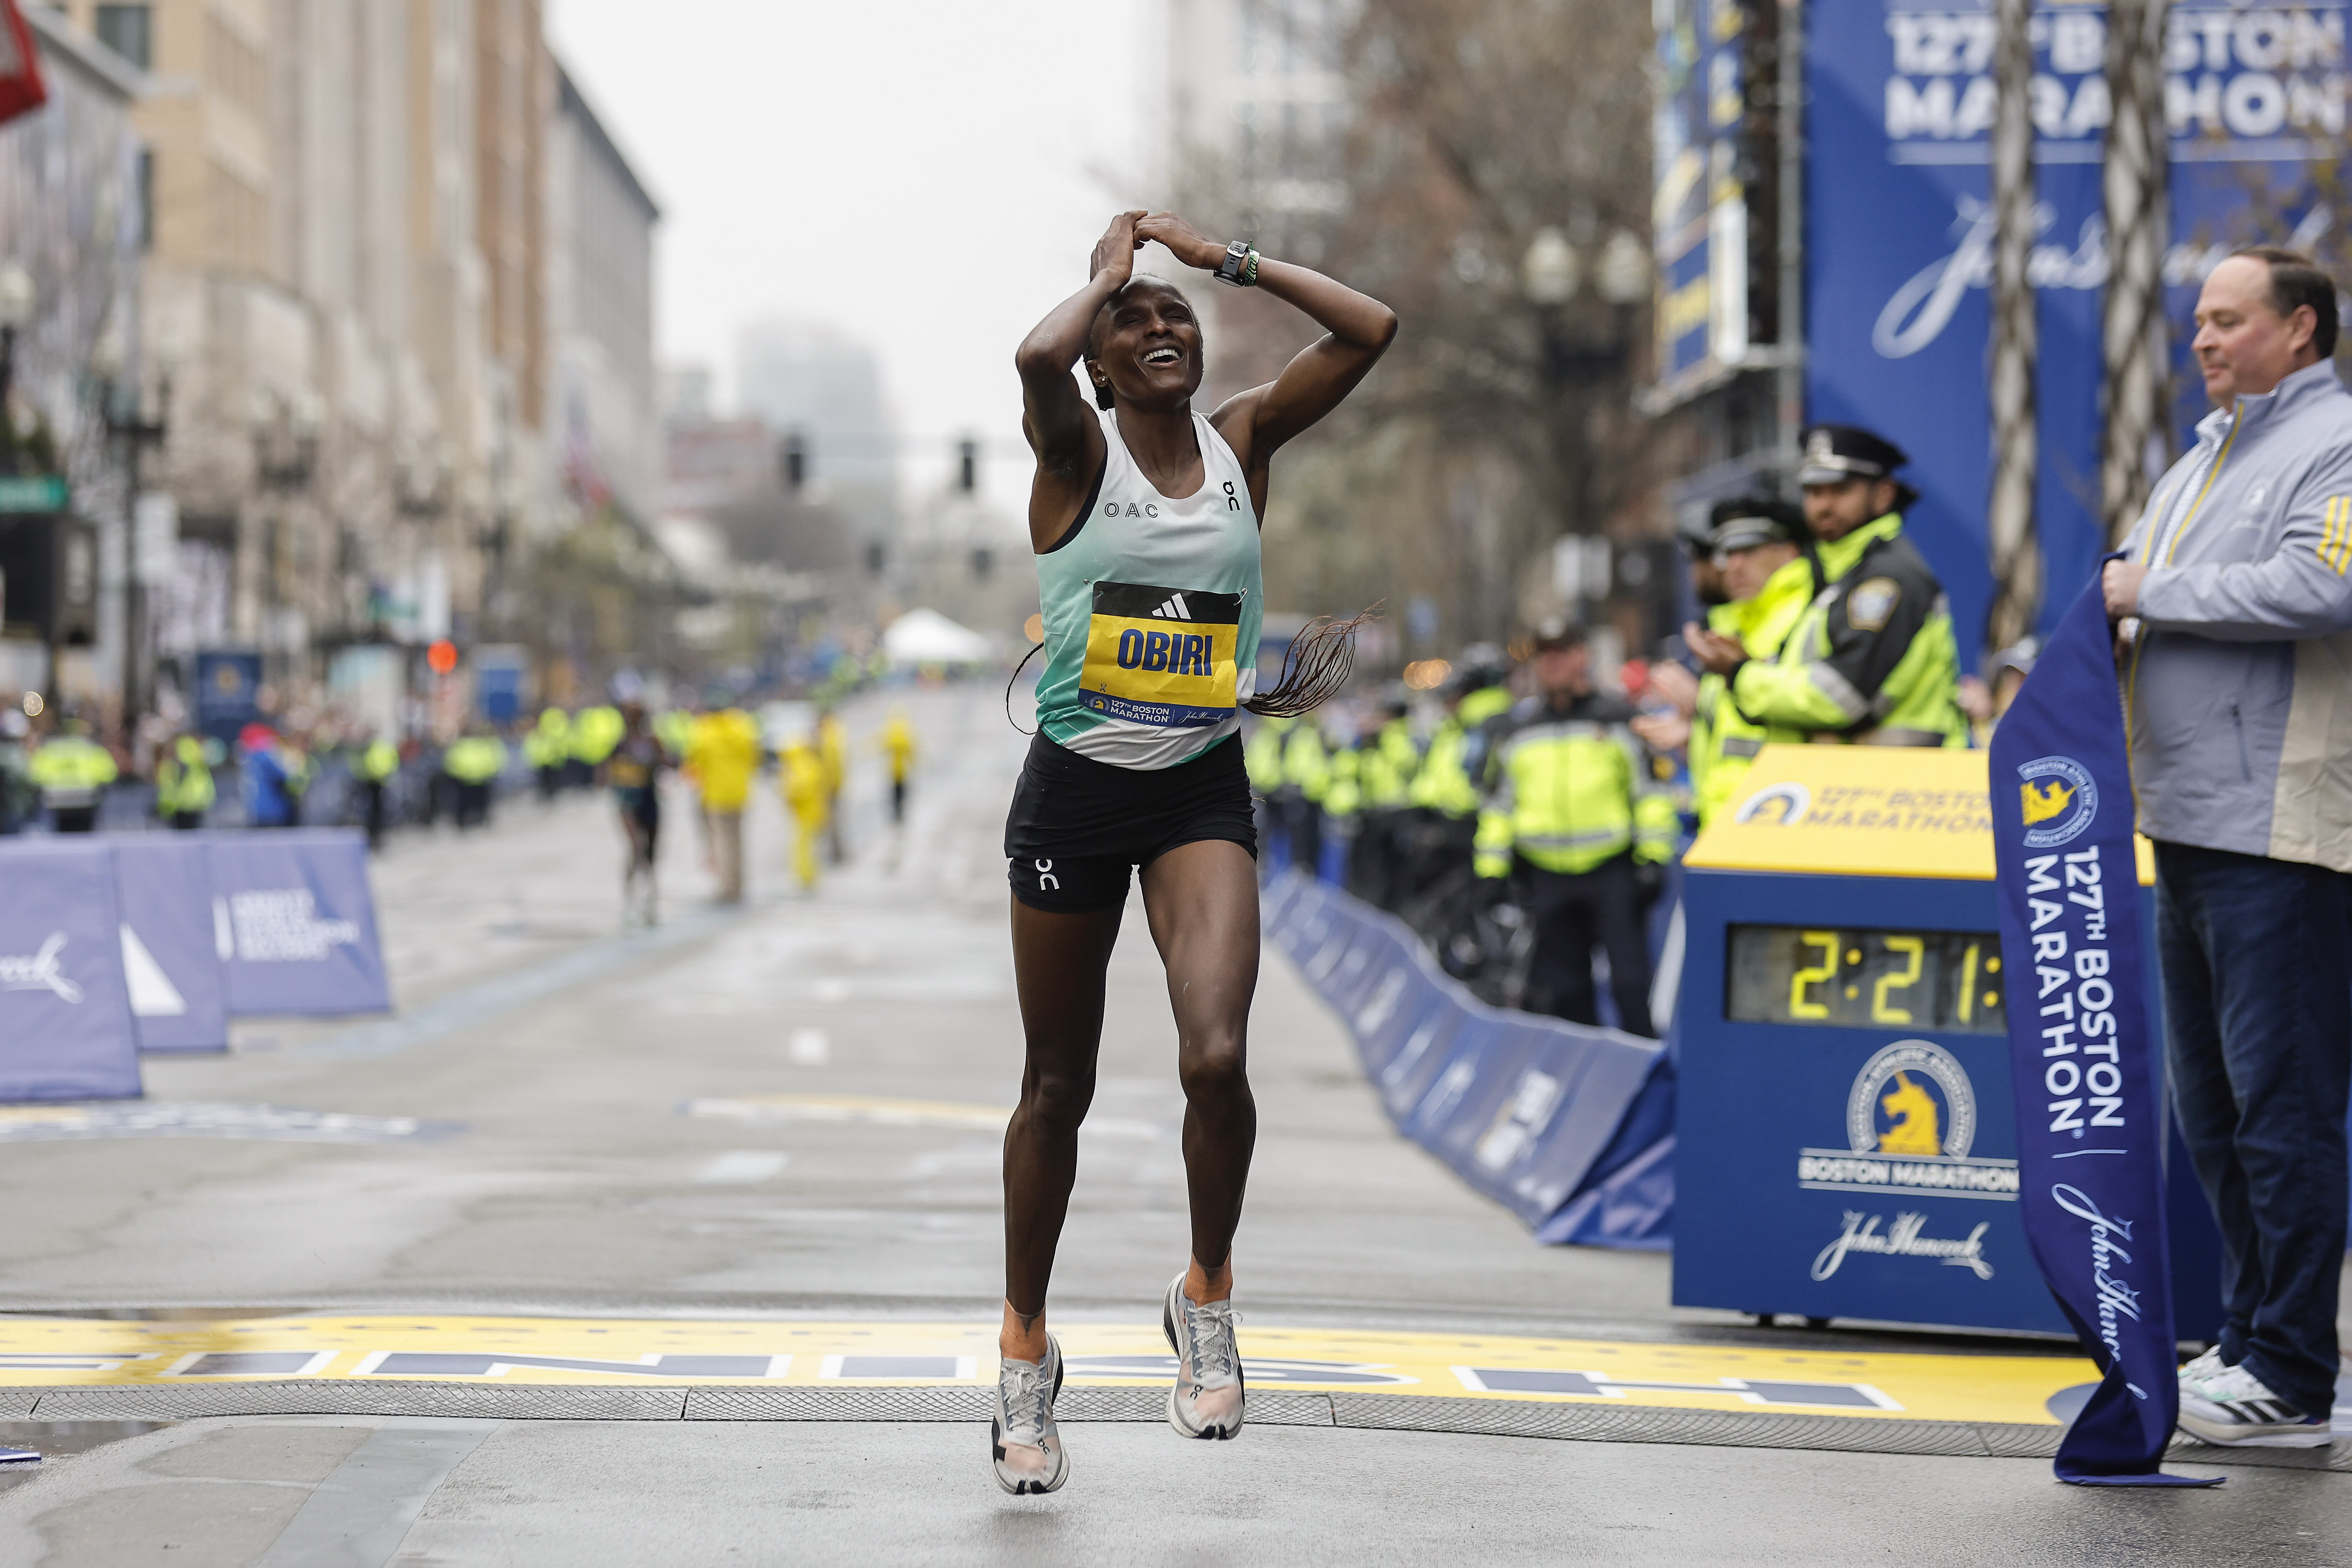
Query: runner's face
pixel 1150 347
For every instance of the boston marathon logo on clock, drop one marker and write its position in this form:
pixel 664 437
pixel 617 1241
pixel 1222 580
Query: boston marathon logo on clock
pixel 2058 799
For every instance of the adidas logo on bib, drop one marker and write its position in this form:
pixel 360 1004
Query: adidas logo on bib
pixel 1174 609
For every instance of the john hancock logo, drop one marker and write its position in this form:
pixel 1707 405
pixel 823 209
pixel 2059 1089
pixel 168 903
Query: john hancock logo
pixel 2057 798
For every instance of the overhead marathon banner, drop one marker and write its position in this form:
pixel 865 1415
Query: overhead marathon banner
pixel 1899 233
pixel 2086 1066
pixel 1568 1127
pixel 65 1012
pixel 293 922
pixel 179 997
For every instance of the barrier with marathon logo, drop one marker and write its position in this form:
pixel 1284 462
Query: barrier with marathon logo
pixel 294 922
pixel 179 998
pixel 65 1029
pixel 1541 1115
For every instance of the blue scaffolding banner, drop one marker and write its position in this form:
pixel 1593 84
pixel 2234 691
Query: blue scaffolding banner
pixel 294 922
pixel 179 1000
pixel 1530 1110
pixel 65 1029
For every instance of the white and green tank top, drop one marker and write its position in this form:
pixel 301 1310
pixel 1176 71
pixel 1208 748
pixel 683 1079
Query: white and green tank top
pixel 1151 609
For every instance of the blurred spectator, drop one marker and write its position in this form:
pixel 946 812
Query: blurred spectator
pixel 73 771
pixel 184 790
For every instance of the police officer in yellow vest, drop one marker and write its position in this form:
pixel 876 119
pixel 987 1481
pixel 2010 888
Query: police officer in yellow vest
pixel 373 766
pixel 1873 660
pixel 475 760
pixel 547 748
pixel 73 771
pixel 1387 759
pixel 1763 554
pixel 1445 791
pixel 1306 777
pixel 184 782
pixel 1574 808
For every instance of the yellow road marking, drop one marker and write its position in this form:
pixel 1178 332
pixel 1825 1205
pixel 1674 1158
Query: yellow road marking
pixel 391 1347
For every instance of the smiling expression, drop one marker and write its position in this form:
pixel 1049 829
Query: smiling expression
pixel 1147 344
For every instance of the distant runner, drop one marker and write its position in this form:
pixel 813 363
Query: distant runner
pixel 1144 517
pixel 632 768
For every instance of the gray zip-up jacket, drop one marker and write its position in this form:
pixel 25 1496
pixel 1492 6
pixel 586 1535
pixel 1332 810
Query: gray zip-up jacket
pixel 2238 694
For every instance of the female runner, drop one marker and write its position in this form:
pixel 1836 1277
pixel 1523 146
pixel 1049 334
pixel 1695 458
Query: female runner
pixel 1144 517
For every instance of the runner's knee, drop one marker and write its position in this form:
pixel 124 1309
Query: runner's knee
pixel 1055 1103
pixel 1214 1065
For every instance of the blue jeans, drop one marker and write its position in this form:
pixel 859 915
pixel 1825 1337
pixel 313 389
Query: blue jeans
pixel 2258 1029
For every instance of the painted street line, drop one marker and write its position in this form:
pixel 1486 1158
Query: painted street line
pixel 84 1353
pixel 171 1119
pixel 877 1111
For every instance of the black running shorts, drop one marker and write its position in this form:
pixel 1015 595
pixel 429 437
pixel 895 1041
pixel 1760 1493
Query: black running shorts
pixel 1078 827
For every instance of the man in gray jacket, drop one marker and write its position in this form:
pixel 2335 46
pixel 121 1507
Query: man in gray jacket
pixel 2236 610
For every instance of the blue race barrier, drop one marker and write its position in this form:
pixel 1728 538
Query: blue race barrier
pixel 65 1030
pixel 1538 1113
pixel 179 998
pixel 294 922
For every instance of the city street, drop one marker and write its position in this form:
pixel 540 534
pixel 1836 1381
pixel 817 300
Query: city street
pixel 763 1144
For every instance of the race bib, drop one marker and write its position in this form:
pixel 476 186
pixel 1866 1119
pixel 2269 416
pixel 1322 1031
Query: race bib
pixel 1161 656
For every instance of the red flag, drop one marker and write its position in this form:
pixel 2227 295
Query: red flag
pixel 20 65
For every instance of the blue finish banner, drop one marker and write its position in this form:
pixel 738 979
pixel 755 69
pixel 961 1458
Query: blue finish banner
pixel 1899 232
pixel 294 922
pixel 66 1031
pixel 228 693
pixel 2085 1060
pixel 178 997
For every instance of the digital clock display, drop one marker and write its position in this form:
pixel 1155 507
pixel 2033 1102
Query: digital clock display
pixel 1943 980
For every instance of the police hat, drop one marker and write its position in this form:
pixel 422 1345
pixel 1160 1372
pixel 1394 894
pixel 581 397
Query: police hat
pixel 1558 632
pixel 1747 521
pixel 1834 453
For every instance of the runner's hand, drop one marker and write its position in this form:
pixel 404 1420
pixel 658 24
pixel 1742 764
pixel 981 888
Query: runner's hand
pixel 1115 251
pixel 1184 242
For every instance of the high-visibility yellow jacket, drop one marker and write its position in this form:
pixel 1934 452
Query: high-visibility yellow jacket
pixel 1724 741
pixel 723 750
pixel 1445 782
pixel 1386 767
pixel 70 771
pixel 801 777
pixel 833 751
pixel 550 741
pixel 1343 791
pixel 378 760
pixel 1570 787
pixel 596 731
pixel 1307 761
pixel 899 746
pixel 1262 753
pixel 475 759
pixel 184 779
pixel 1873 659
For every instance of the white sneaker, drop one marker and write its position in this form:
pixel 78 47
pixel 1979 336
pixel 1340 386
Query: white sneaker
pixel 2210 1364
pixel 2232 1410
pixel 1208 1398
pixel 1022 1439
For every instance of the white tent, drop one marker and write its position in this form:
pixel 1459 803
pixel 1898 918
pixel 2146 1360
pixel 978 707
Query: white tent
pixel 926 636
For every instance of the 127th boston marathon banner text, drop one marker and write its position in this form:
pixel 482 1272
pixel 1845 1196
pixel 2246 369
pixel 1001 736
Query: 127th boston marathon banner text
pixel 2085 1061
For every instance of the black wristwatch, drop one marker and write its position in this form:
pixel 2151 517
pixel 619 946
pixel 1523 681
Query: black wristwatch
pixel 1230 270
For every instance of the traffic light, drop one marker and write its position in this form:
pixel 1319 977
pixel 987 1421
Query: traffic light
pixel 967 457
pixel 796 462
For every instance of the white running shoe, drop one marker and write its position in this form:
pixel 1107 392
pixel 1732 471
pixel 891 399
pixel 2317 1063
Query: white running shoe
pixel 2231 1409
pixel 1208 1397
pixel 2210 1364
pixel 1022 1439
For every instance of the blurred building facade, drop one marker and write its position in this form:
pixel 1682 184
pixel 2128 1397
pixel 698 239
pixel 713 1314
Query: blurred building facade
pixel 69 231
pixel 397 280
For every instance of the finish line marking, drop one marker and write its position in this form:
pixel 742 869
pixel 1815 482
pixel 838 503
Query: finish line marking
pixel 584 1352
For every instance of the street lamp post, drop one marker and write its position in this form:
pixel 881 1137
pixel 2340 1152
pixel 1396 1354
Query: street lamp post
pixel 136 435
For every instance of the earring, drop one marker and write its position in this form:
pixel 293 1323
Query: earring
pixel 1103 398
